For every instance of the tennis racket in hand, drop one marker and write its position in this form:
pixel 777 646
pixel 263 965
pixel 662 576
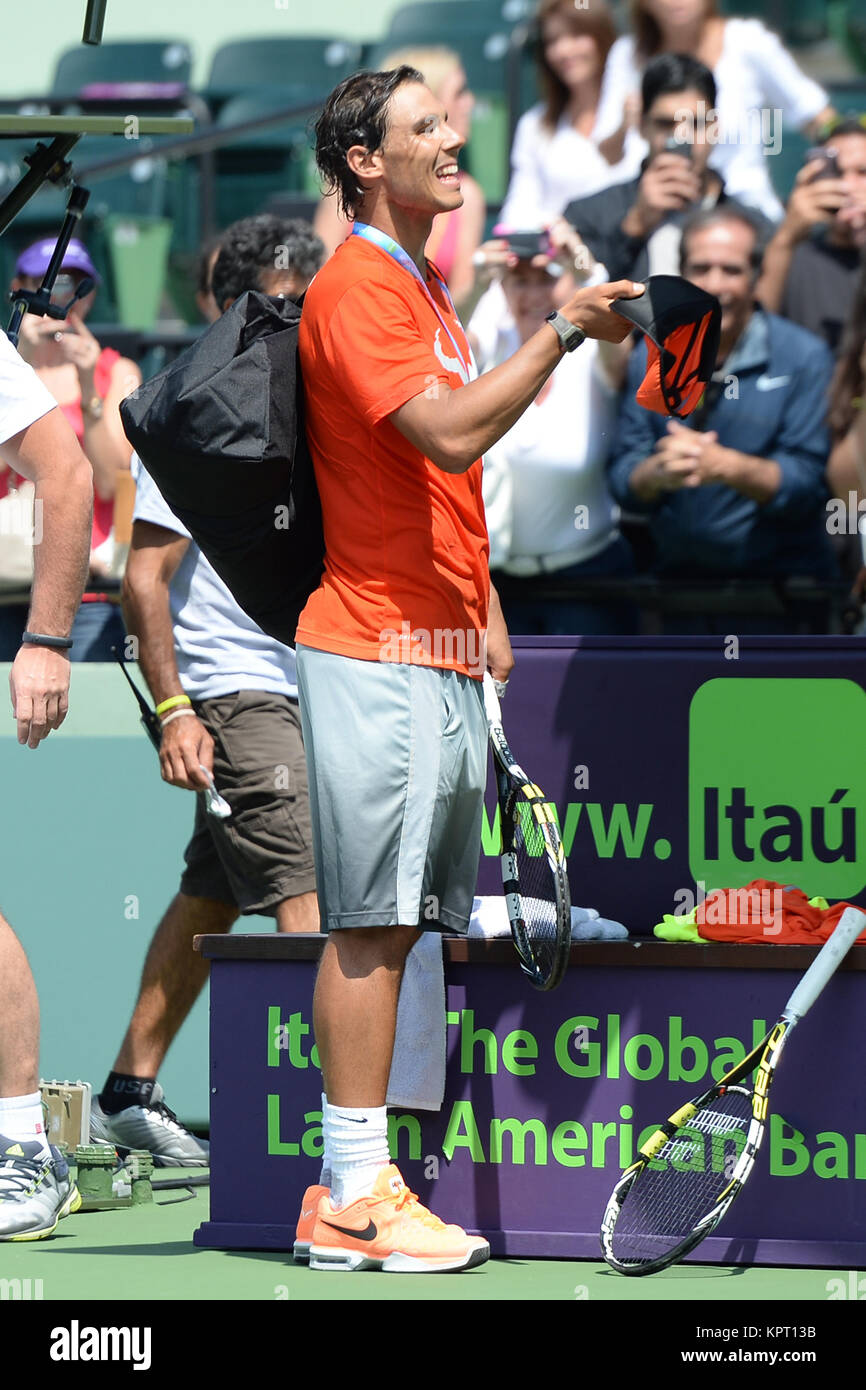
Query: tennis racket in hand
pixel 693 1167
pixel 534 871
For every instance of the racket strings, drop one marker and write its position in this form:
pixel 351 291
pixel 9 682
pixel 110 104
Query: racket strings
pixel 546 911
pixel 683 1183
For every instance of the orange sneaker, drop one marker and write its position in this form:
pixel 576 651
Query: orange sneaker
pixel 389 1229
pixel 306 1222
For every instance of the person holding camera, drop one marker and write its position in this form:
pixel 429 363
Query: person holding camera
pixel 550 516
pixel 738 489
pixel 635 227
pixel 813 261
pixel 88 382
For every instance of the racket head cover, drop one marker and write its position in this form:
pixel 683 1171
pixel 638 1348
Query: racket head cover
pixel 682 326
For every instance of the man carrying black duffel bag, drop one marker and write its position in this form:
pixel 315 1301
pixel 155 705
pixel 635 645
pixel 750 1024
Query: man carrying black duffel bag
pixel 227 699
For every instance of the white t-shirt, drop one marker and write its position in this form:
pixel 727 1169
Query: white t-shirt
pixel 23 398
pixel 551 168
pixel 544 483
pixel 218 648
pixel 756 77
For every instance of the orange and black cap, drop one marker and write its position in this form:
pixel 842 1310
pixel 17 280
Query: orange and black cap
pixel 682 325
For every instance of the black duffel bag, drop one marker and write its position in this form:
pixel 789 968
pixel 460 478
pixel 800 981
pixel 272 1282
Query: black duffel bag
pixel 221 432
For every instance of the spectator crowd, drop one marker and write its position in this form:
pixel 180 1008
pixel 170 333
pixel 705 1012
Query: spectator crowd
pixel 648 153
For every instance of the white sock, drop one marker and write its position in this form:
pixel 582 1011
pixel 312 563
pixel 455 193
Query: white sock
pixel 356 1148
pixel 325 1175
pixel 21 1118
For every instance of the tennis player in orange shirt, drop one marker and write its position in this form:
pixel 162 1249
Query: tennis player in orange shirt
pixel 392 647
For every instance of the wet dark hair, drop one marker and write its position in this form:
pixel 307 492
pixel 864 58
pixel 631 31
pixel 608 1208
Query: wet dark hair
pixel 262 243
pixel 356 113
pixel 676 72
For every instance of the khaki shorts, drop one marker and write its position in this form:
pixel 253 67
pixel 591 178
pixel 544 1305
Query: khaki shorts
pixel 263 854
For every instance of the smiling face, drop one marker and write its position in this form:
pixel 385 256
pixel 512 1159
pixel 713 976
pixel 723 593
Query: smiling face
pixel 416 167
pixel 717 258
pixel 574 58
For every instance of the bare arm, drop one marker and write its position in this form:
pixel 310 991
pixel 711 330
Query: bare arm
pixel 48 453
pixel 846 470
pixel 500 658
pixel 813 200
pixel 456 427
pixel 154 556
pixel 105 443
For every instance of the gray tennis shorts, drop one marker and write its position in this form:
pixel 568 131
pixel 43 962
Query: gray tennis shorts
pixel 397 764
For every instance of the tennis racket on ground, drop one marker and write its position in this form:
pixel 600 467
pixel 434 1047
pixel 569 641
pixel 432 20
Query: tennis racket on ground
pixel 689 1172
pixel 534 871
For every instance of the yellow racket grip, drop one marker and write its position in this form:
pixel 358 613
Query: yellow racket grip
pixel 658 1140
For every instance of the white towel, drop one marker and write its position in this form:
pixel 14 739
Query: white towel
pixel 490 919
pixel 417 1080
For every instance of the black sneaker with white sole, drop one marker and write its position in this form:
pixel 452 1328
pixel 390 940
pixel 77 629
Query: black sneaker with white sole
pixel 153 1128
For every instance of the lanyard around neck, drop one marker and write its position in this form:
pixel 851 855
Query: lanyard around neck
pixel 396 252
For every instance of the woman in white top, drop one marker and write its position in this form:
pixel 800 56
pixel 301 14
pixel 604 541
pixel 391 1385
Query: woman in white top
pixel 759 85
pixel 550 516
pixel 556 157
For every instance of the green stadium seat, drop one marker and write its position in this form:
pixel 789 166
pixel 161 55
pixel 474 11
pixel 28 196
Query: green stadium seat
pixel 311 67
pixel 849 97
pixel 801 22
pixel 255 166
pixel 443 21
pixel 153 60
pixel 139 189
pixel 785 166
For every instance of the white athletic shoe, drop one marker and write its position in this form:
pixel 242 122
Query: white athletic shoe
pixel 35 1191
pixel 153 1128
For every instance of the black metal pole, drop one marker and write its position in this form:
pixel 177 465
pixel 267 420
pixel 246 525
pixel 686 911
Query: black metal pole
pixel 47 162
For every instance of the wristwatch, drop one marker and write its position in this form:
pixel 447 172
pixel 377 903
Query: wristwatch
pixel 93 408
pixel 567 332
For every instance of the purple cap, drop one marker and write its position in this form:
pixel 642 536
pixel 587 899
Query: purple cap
pixel 34 261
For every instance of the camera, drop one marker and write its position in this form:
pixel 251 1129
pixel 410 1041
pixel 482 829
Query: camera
pixel 680 147
pixel 830 167
pixel 525 245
